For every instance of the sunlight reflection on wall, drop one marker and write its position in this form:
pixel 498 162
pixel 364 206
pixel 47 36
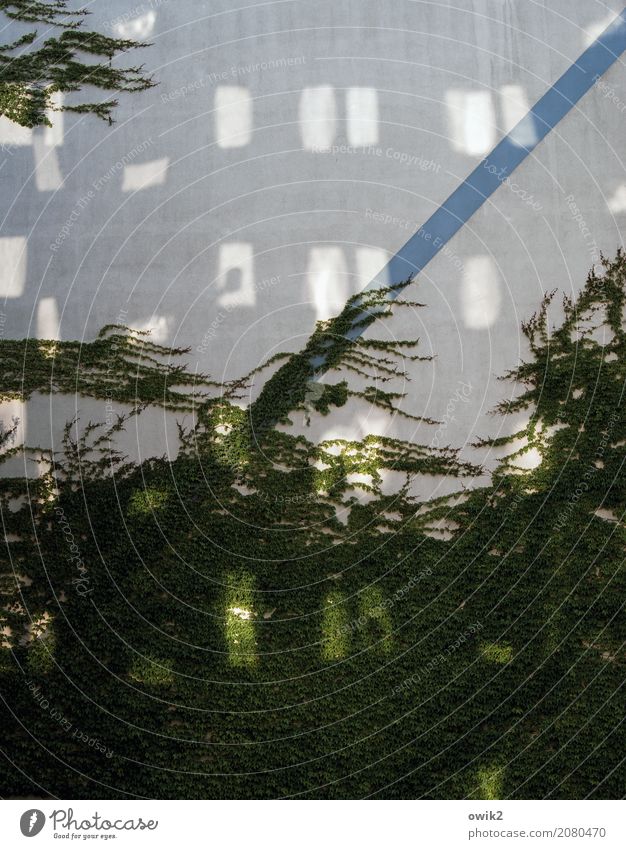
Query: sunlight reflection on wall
pixel 480 293
pixel 362 115
pixel 515 106
pixel 471 121
pixel 158 325
pixel 46 140
pixel 145 175
pixel 328 282
pixel 48 319
pixel 233 116
pixel 335 627
pixel 239 622
pixel 618 202
pixel 369 264
pixel 592 32
pixel 12 266
pixel 13 414
pixel 318 117
pixel 137 28
pixel 235 280
pixel 13 135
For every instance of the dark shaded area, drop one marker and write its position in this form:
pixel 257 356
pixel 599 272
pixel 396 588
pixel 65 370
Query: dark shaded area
pixel 223 634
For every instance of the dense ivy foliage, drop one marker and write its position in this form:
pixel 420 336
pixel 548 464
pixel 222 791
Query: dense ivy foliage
pixel 121 365
pixel 260 618
pixel 329 346
pixel 30 78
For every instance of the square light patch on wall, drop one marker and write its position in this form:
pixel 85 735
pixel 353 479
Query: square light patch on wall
pixel 48 319
pixel 137 28
pixel 236 275
pixel 471 121
pixel 318 117
pixel 13 135
pixel 233 116
pixel 328 281
pixel 515 116
pixel 13 415
pixel 370 263
pixel 362 109
pixel 54 136
pixel 12 266
pixel 480 295
pixel 617 203
pixel 145 175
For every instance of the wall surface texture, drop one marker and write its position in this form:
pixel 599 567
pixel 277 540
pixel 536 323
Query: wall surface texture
pixel 289 151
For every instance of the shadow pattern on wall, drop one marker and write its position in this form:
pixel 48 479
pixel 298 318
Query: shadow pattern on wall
pixel 260 618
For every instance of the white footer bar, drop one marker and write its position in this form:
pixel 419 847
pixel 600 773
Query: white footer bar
pixel 315 824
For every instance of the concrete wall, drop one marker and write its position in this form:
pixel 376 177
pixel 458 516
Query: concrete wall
pixel 290 149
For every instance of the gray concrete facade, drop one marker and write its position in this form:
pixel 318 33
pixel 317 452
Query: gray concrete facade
pixel 289 150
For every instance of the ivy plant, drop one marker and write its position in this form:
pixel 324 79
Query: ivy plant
pixel 34 69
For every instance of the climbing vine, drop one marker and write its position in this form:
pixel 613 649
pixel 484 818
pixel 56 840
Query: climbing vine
pixel 262 616
pixel 122 365
pixel 32 72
